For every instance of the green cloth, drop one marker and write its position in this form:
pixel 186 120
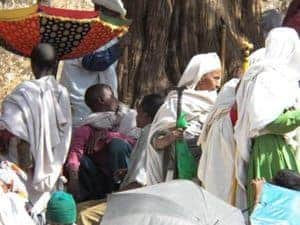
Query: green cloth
pixel 61 208
pixel 270 152
pixel 186 162
pixel 115 21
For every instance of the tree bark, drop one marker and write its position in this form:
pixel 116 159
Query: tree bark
pixel 165 34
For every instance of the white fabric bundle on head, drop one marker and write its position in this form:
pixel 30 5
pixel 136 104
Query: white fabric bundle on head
pixel 198 66
pixel 114 5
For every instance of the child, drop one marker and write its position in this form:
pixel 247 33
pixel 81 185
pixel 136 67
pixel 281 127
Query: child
pixel 146 110
pixel 61 209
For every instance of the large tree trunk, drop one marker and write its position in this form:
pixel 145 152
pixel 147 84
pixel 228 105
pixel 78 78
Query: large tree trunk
pixel 165 34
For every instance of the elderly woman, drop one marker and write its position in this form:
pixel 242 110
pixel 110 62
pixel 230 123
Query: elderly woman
pixel 265 100
pixel 201 78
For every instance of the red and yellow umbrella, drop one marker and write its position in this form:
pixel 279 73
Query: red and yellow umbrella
pixel 73 33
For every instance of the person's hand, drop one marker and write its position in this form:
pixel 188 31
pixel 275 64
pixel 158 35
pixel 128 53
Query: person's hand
pixel 165 141
pixel 258 186
pixel 177 134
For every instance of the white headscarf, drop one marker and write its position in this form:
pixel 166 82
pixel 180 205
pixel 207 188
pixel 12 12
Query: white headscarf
pixel 114 5
pixel 196 104
pixel 197 67
pixel 268 88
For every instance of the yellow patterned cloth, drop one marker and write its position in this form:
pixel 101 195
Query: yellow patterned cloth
pixel 91 212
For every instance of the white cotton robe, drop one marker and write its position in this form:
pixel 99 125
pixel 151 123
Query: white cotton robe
pixel 216 166
pixel 196 105
pixel 39 113
pixel 266 90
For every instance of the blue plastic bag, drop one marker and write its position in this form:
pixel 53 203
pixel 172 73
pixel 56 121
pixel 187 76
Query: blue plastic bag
pixel 278 206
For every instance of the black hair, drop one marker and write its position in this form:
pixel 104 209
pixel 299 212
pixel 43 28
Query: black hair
pixel 95 92
pixel 44 59
pixel 150 104
pixel 288 179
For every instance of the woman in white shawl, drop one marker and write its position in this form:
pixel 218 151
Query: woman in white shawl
pixel 201 78
pixel 218 144
pixel 265 102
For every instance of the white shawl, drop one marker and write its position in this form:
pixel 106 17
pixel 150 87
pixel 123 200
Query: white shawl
pixel 124 121
pixel 216 166
pixel 38 112
pixel 196 105
pixel 219 148
pixel 267 89
pixel 12 210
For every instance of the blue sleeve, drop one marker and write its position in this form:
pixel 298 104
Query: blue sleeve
pixel 100 61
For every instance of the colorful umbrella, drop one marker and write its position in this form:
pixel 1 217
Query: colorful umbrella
pixel 73 33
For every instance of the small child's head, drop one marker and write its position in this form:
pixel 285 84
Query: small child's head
pixel 147 108
pixel 61 209
pixel 288 179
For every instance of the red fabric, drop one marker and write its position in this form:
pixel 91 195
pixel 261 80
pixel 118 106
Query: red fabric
pixel 292 18
pixel 22 35
pixel 293 9
pixel 99 35
pixel 293 22
pixel 70 32
pixel 73 14
pixel 5 136
pixel 233 116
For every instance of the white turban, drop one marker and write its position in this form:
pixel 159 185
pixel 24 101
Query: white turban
pixel 114 5
pixel 197 67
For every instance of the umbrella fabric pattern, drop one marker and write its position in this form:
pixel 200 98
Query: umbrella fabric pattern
pixel 73 33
